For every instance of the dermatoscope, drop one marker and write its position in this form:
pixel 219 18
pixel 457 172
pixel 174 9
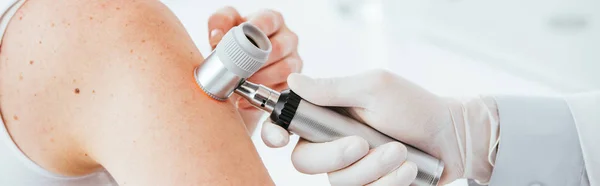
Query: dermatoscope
pixel 242 51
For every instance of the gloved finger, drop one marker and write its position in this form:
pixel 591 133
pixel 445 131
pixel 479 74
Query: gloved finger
pixel 278 72
pixel 283 43
pixel 339 91
pixel 403 176
pixel 268 21
pixel 273 135
pixel 378 163
pixel 316 158
pixel 220 22
pixel 352 91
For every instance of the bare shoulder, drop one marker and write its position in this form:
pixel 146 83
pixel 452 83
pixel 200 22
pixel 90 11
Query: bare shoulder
pixel 109 83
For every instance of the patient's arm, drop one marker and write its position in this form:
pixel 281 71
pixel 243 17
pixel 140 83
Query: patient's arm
pixel 109 83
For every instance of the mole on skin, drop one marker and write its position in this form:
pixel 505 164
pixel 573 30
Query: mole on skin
pixel 76 90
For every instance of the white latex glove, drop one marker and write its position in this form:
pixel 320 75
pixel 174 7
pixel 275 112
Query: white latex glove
pixel 461 133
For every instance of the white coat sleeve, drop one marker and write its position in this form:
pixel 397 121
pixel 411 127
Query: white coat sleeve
pixel 586 113
pixel 539 143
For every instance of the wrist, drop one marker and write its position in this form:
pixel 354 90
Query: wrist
pixel 474 120
pixel 483 118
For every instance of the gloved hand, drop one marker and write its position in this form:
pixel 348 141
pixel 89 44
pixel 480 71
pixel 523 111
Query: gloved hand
pixel 283 60
pixel 456 131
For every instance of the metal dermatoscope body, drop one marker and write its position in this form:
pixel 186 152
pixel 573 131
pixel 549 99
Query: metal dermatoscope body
pixel 242 51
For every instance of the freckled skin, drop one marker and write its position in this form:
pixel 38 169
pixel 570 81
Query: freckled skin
pixel 137 122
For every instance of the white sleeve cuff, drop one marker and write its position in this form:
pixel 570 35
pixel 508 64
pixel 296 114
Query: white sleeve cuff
pixel 539 143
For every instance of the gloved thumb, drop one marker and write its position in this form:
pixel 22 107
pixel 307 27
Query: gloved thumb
pixel 337 92
pixel 273 135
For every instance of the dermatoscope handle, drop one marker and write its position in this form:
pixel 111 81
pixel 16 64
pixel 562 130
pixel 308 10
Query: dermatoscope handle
pixel 321 124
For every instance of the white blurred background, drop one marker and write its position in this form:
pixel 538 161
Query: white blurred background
pixel 451 47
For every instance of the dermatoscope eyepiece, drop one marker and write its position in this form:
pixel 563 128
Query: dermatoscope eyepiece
pixel 241 52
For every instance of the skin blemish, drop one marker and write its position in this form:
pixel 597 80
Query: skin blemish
pixel 143 40
pixel 21 76
pixel 76 90
pixel 16 118
pixel 20 17
pixel 31 62
pixel 131 51
pixel 91 18
pixel 93 91
pixel 34 95
pixel 118 8
pixel 74 81
pixel 52 140
pixel 52 25
pixel 85 154
pixel 40 42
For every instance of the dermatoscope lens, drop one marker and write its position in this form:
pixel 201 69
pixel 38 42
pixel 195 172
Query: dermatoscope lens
pixel 251 40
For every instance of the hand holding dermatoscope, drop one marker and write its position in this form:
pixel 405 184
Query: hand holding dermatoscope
pixel 242 51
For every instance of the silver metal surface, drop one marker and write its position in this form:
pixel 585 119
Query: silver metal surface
pixel 240 53
pixel 216 80
pixel 260 96
pixel 319 124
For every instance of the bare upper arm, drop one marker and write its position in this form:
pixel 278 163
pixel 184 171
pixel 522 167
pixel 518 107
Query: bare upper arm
pixel 110 83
